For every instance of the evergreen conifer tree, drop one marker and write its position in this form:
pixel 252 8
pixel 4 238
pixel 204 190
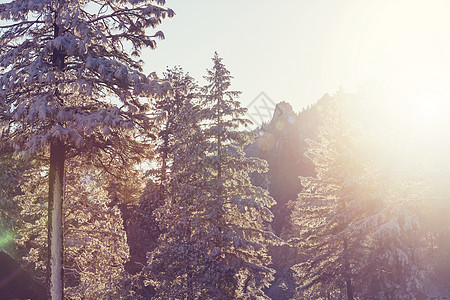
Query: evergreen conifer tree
pixel 61 64
pixel 354 223
pixel 218 221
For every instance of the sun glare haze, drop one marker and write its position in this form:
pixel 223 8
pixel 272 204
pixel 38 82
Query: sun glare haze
pixel 403 48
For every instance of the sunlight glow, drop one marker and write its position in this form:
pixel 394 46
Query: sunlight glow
pixel 405 44
pixel 410 121
pixel 427 111
pixel 418 120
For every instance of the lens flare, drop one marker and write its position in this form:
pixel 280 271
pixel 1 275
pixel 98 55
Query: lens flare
pixel 6 238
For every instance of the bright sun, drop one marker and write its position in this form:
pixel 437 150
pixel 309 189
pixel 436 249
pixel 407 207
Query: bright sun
pixel 427 112
pixel 411 126
pixel 418 119
pixel 405 45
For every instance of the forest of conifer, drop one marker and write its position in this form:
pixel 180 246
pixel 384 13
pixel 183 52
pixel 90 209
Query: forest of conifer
pixel 115 184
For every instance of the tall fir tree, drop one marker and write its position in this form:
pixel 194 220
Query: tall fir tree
pixel 175 265
pixel 217 221
pixel 327 208
pixel 354 223
pixel 61 62
pixel 172 106
pixel 184 88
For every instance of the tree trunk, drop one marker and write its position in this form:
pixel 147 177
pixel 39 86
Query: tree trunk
pixel 348 280
pixel 55 197
pixel 219 137
pixel 55 221
pixel 165 150
pixel 349 289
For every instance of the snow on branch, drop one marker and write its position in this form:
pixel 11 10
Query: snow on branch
pixel 64 70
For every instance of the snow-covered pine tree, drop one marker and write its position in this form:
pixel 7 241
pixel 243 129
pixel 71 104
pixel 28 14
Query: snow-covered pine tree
pixel 327 208
pixel 184 88
pixel 176 264
pixel 214 246
pixel 146 231
pixel 397 264
pixel 240 210
pixel 355 224
pixel 61 63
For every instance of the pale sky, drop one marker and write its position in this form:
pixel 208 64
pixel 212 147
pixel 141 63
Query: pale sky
pixel 298 50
